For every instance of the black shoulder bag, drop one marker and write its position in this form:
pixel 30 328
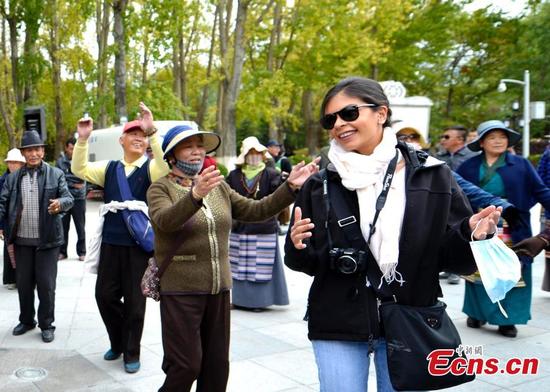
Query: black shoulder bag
pixel 412 333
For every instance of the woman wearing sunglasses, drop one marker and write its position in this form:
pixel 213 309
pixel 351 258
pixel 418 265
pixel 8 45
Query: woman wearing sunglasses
pixel 423 228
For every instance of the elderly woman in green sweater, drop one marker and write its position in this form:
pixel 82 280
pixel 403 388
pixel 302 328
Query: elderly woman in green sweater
pixel 191 215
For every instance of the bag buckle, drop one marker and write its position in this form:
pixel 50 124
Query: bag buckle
pixel 347 221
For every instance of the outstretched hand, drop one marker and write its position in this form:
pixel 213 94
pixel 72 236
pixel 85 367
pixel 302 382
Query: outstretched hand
pixel 301 172
pixel 301 229
pixel 485 222
pixel 206 181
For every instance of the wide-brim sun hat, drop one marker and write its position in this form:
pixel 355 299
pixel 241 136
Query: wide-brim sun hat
pixel 14 155
pixel 403 128
pixel 248 144
pixel 179 133
pixel 31 139
pixel 493 125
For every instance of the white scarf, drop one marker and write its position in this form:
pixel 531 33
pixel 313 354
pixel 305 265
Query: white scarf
pixel 364 174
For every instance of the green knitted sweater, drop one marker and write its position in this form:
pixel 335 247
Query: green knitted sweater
pixel 201 262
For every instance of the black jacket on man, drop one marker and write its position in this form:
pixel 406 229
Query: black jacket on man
pixel 434 237
pixel 51 185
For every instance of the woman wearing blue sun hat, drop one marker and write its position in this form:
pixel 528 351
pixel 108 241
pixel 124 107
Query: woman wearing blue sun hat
pixel 191 215
pixel 513 178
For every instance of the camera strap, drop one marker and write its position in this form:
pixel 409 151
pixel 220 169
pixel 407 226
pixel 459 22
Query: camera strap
pixel 350 225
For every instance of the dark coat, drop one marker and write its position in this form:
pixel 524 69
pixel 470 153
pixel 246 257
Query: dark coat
pixel 51 185
pixel 269 181
pixel 434 237
pixel 524 188
pixel 64 164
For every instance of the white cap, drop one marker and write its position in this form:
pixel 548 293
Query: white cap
pixel 14 155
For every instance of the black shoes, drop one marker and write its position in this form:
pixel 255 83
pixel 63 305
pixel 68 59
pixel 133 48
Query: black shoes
pixel 474 323
pixel 510 331
pixel 21 328
pixel 47 335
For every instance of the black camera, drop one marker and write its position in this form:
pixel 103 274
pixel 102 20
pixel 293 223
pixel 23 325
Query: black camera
pixel 348 261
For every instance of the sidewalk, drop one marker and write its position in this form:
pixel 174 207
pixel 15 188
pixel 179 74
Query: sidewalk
pixel 269 351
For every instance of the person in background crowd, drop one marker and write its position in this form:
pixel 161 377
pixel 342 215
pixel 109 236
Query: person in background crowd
pixel 477 197
pixel 256 265
pixel 14 161
pixel 77 187
pixel 121 261
pixel 409 134
pixel 283 166
pixel 513 178
pixel 455 152
pixel 282 163
pixel 199 208
pixel 342 312
pixel 472 135
pixel 543 169
pixel 30 203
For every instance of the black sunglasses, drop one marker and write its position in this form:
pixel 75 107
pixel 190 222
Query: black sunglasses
pixel 348 113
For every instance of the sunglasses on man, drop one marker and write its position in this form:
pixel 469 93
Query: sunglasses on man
pixel 348 113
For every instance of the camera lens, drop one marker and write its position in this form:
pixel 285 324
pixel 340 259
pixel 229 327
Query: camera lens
pixel 347 264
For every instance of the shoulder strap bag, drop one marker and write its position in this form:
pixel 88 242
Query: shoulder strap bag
pixel 136 221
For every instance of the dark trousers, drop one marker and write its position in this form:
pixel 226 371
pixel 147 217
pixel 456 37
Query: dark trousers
pixel 36 268
pixel 195 339
pixel 119 276
pixel 78 212
pixel 8 276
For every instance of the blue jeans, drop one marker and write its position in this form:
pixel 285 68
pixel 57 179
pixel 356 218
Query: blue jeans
pixel 344 366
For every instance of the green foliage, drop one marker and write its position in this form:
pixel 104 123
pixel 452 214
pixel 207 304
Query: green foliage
pixel 222 168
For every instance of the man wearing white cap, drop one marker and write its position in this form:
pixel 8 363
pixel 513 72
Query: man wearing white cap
pixel 14 161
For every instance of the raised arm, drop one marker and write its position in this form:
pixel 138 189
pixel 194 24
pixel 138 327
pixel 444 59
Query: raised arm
pixel 93 172
pixel 158 167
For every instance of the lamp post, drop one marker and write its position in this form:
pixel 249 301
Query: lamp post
pixel 526 115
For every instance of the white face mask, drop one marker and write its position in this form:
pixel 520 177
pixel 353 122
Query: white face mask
pixel 499 267
pixel 253 159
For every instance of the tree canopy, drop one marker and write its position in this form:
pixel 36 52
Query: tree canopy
pixel 260 67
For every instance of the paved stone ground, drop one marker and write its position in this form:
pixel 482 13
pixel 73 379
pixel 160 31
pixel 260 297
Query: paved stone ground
pixel 269 351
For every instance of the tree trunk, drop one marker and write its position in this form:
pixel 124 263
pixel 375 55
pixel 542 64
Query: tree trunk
pixel 312 126
pixel 229 105
pixel 14 57
pixel 119 36
pixel 5 93
pixel 201 113
pixel 176 69
pixel 275 124
pixel 183 71
pixel 103 12
pixel 60 135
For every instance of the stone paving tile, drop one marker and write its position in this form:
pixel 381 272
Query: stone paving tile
pixel 249 376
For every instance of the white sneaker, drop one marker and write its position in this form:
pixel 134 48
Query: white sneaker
pixel 11 286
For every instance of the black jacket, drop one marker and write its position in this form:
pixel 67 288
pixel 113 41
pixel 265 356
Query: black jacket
pixel 434 237
pixel 51 185
pixel 64 164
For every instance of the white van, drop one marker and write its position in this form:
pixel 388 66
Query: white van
pixel 103 143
